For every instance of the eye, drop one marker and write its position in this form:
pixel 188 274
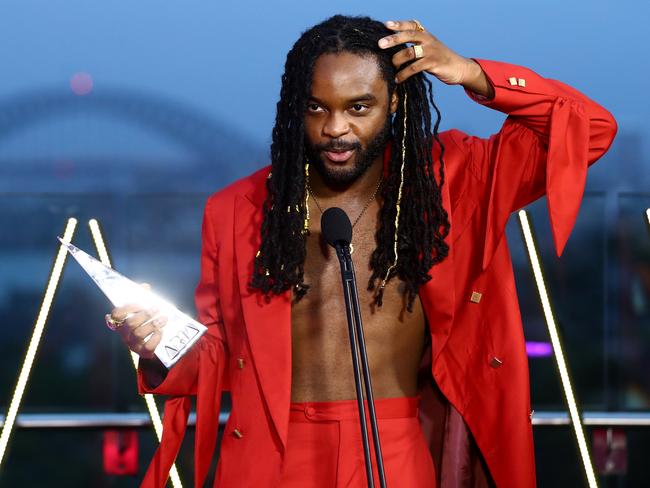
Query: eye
pixel 313 107
pixel 358 108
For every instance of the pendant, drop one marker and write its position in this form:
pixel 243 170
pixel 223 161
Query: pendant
pixel 351 248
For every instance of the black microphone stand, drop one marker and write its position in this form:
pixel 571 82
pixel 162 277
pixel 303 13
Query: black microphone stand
pixel 358 348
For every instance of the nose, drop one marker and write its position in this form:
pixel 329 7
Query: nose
pixel 336 126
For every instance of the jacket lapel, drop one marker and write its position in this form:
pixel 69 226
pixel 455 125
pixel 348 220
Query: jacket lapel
pixel 267 322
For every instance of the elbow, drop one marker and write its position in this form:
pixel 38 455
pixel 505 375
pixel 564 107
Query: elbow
pixel 610 128
pixel 603 131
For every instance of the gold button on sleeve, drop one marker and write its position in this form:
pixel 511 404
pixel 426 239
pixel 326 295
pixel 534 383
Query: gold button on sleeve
pixel 237 433
pixel 240 363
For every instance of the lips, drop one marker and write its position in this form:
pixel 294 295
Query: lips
pixel 338 156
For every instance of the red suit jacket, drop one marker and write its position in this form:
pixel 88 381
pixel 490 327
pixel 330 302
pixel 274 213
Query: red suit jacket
pixel 478 359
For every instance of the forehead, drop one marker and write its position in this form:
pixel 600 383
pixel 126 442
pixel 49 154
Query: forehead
pixel 346 75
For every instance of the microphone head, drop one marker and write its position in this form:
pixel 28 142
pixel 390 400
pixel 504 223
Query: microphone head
pixel 336 227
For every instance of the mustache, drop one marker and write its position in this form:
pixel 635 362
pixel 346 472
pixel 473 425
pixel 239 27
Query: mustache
pixel 337 146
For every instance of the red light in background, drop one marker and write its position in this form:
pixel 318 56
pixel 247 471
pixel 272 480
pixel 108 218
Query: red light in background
pixel 81 83
pixel 121 452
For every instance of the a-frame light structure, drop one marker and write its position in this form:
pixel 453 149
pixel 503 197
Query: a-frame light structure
pixel 39 326
pixel 563 370
pixel 37 333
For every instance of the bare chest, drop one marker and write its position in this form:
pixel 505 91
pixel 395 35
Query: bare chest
pixel 321 358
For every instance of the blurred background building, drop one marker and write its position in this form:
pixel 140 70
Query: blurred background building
pixel 134 112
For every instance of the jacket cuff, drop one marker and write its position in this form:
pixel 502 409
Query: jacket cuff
pixel 511 83
pixel 179 380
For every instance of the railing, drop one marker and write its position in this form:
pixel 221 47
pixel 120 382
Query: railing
pixel 116 420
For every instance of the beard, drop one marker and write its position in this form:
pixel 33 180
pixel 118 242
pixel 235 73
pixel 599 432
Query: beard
pixel 363 158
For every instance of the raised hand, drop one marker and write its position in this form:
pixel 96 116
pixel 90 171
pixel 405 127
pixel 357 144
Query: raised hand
pixel 429 54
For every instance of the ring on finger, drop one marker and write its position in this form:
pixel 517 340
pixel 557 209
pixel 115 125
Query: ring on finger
pixel 113 324
pixel 418 25
pixel 418 51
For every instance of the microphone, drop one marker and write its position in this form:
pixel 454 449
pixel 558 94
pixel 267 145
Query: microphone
pixel 337 231
pixel 336 227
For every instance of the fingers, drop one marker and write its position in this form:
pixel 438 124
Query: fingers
pixel 140 330
pixel 143 338
pixel 139 325
pixel 403 56
pixel 147 346
pixel 137 328
pixel 402 25
pixel 403 37
pixel 120 314
pixel 410 70
pixel 433 56
pixel 146 337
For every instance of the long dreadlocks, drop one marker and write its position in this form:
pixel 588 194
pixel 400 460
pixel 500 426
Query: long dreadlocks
pixel 423 222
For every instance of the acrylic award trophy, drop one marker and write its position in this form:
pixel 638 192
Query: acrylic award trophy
pixel 179 333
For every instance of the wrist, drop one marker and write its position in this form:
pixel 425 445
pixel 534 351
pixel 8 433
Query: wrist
pixel 476 80
pixel 472 73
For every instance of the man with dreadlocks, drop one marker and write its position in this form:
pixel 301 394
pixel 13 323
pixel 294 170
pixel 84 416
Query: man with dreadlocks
pixel 443 332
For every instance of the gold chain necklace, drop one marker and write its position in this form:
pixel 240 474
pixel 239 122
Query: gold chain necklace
pixel 363 210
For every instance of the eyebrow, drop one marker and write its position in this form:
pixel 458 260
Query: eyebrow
pixel 366 97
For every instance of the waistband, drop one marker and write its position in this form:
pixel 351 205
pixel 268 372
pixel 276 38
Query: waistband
pixel 385 408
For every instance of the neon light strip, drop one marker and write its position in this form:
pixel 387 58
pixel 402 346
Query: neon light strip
pixel 559 351
pixel 148 398
pixel 30 355
pixel 536 349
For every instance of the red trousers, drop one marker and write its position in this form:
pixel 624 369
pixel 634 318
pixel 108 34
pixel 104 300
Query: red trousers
pixel 324 447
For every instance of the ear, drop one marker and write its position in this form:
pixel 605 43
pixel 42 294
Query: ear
pixel 394 100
